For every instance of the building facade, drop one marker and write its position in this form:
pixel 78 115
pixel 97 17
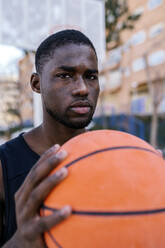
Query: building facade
pixel 16 98
pixel 26 66
pixel 9 102
pixel 133 77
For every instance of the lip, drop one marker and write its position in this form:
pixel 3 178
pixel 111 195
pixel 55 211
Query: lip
pixel 80 107
pixel 80 104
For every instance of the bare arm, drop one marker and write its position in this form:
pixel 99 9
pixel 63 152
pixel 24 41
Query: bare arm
pixel 37 185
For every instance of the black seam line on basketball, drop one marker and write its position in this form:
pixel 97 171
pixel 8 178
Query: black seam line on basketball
pixel 54 240
pixel 110 213
pixel 109 149
pixel 52 237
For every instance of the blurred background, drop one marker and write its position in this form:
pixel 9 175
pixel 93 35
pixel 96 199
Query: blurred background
pixel 129 37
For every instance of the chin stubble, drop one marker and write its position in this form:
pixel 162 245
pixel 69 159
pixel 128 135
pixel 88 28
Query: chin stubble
pixel 65 122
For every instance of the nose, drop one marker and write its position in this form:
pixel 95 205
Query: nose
pixel 80 87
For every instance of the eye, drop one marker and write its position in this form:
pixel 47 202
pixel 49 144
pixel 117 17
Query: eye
pixel 64 75
pixel 91 77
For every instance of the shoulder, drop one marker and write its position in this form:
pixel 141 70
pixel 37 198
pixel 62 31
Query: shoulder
pixel 11 143
pixel 13 148
pixel 2 191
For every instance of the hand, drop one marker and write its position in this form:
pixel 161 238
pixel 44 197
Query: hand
pixel 28 199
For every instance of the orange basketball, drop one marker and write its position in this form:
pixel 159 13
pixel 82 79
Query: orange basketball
pixel 116 187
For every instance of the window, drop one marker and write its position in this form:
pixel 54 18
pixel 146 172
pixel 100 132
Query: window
pixel 139 10
pixel 138 38
pixel 115 79
pixel 156 58
pixel 111 80
pixel 115 56
pixel 156 30
pixel 138 105
pixel 138 64
pixel 152 4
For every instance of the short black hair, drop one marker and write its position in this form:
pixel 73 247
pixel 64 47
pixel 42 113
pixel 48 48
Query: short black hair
pixel 46 49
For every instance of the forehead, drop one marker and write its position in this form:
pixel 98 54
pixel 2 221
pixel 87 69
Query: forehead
pixel 73 55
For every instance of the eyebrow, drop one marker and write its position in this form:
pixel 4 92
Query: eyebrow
pixel 93 71
pixel 73 69
pixel 67 68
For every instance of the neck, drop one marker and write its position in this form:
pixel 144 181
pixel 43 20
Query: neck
pixel 46 135
pixel 58 134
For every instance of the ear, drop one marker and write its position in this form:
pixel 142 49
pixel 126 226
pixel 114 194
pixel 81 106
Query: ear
pixel 35 82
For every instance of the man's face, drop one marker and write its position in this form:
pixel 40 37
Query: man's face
pixel 69 85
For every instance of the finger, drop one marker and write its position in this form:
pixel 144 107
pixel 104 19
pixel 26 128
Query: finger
pixel 37 174
pixel 44 224
pixel 53 150
pixel 44 168
pixel 46 158
pixel 39 194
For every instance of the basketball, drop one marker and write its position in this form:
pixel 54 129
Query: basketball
pixel 116 188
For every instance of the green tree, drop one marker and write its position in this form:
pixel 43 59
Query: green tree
pixel 118 18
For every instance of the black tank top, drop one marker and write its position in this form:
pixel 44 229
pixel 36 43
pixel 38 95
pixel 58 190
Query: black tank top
pixel 17 159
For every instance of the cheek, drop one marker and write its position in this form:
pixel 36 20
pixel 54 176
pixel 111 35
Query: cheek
pixel 95 91
pixel 51 91
pixel 57 98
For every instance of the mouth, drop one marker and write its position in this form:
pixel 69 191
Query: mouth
pixel 81 110
pixel 80 107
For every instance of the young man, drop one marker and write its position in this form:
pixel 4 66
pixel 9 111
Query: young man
pixel 67 79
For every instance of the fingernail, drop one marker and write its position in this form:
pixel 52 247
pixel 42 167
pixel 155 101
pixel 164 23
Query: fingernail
pixel 63 172
pixel 67 210
pixel 56 146
pixel 61 154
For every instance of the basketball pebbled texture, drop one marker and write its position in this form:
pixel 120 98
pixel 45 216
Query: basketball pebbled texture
pixel 116 187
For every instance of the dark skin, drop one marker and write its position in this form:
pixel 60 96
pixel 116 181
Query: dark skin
pixel 69 88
